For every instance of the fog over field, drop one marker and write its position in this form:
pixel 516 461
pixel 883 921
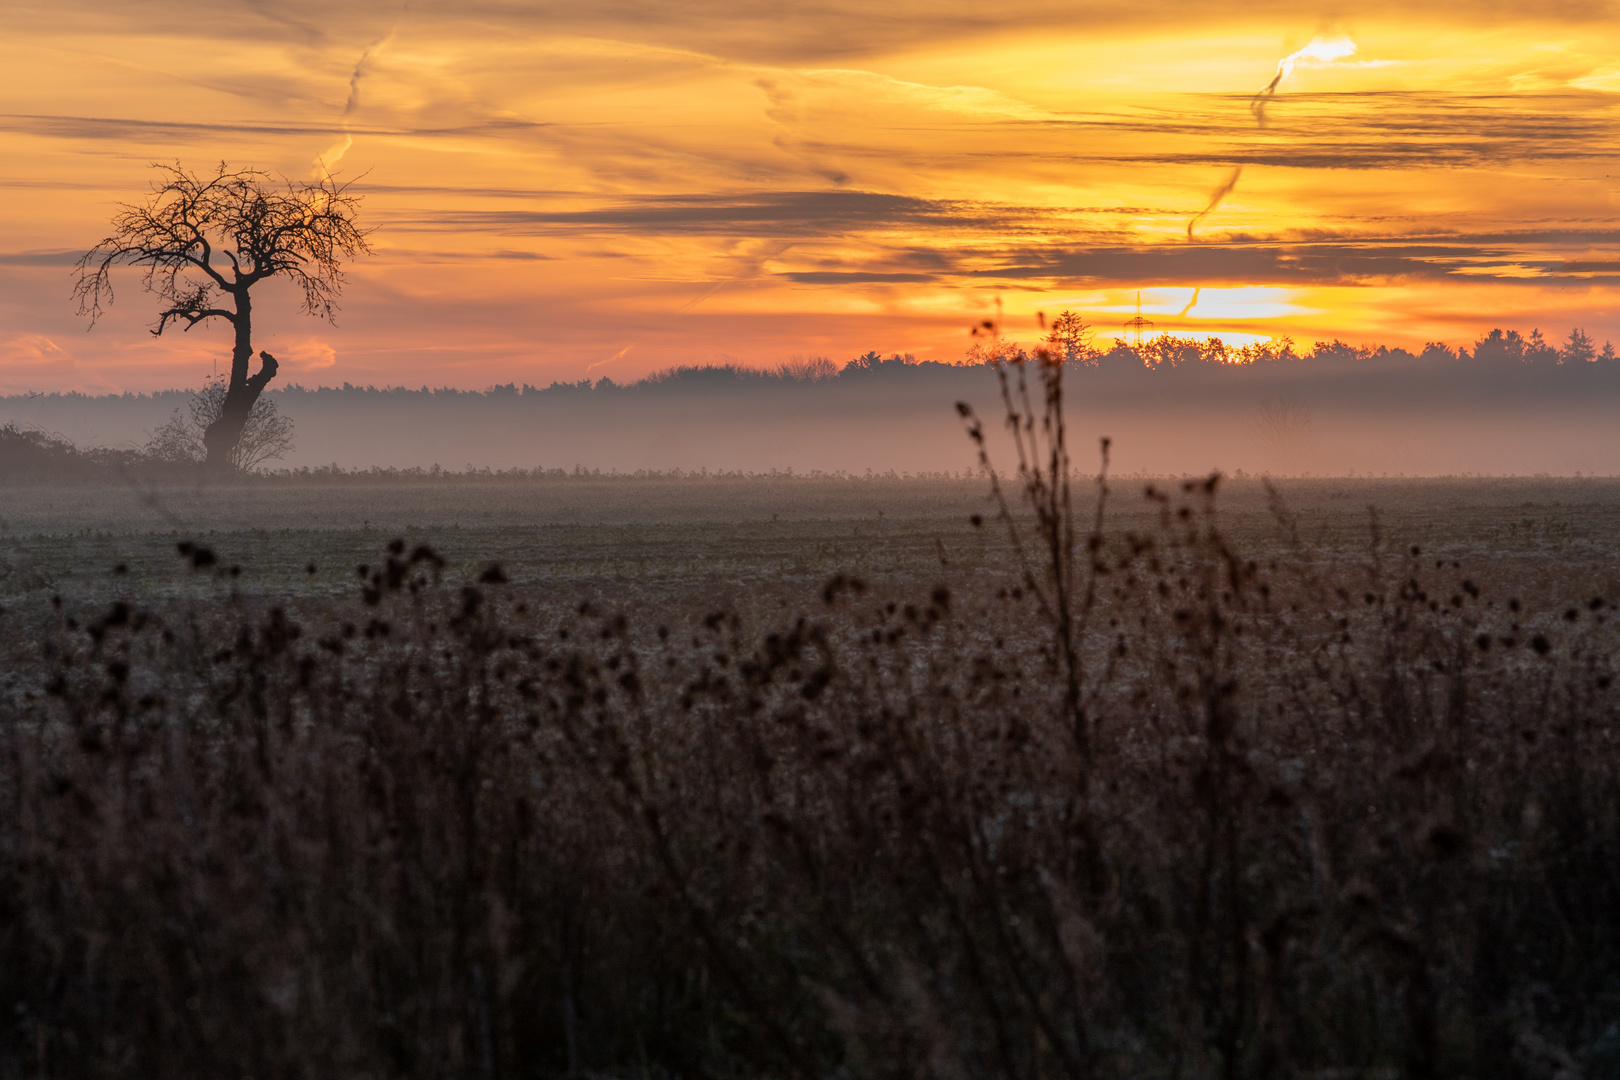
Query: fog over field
pixel 1372 413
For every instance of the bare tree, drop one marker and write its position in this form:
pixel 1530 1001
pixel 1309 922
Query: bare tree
pixel 266 436
pixel 205 242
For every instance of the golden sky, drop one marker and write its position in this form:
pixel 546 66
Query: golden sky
pixel 562 189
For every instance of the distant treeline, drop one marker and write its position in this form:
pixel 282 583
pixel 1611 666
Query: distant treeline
pixel 1496 351
pixel 1499 351
pixel 1508 403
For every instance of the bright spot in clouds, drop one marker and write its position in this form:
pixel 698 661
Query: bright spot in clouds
pixel 1320 51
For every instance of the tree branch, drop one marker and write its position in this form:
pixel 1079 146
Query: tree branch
pixel 303 231
pixel 191 317
pixel 267 371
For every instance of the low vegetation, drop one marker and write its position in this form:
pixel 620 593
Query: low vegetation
pixel 32 456
pixel 174 451
pixel 1140 804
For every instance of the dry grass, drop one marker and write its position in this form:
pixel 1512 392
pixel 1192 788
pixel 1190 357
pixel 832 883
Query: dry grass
pixel 1135 804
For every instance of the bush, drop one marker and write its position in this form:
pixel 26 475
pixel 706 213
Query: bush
pixel 31 456
pixel 267 435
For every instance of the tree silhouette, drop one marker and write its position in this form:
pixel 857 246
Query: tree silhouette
pixel 1070 339
pixel 205 242
pixel 1579 348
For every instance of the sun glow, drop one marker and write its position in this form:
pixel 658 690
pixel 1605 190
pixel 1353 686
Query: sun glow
pixel 1171 308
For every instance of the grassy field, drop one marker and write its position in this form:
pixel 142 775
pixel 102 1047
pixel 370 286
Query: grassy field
pixel 816 778
pixel 627 533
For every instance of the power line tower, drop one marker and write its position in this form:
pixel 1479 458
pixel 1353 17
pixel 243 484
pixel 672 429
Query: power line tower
pixel 1137 325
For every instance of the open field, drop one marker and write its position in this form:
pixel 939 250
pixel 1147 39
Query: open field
pixel 770 777
pixel 624 533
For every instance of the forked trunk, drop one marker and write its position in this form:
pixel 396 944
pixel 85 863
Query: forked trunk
pixel 241 394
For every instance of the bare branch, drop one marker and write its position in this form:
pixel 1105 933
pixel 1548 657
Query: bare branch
pixel 303 231
pixel 191 317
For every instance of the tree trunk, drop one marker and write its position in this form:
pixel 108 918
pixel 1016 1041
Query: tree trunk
pixel 241 394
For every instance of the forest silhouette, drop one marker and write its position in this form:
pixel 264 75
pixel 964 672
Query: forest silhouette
pixel 1269 406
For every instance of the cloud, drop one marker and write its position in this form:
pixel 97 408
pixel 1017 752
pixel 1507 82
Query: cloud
pixel 39 258
pixel 31 361
pixel 1361 130
pixel 784 33
pixel 1319 51
pixel 855 277
pixel 98 127
pixel 1608 81
pixel 910 240
pixel 621 354
pixel 766 213
pixel 975 101
pixel 309 354
pixel 1504 257
pixel 33 350
pixel 134 130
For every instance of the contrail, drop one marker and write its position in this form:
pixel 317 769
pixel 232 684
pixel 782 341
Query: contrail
pixel 750 268
pixel 1320 50
pixel 325 162
pixel 618 355
pixel 1215 199
pixel 706 293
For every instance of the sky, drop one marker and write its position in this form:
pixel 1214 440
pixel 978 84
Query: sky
pixel 564 190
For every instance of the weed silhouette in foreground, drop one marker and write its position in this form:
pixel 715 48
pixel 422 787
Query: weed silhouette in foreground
pixel 1140 807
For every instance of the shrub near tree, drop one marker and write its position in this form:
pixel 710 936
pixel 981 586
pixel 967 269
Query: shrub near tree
pixel 266 436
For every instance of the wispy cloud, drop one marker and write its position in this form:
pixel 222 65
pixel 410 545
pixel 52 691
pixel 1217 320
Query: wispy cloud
pixel 39 258
pixel 704 175
pixel 778 214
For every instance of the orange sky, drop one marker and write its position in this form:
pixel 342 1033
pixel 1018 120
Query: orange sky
pixel 559 193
